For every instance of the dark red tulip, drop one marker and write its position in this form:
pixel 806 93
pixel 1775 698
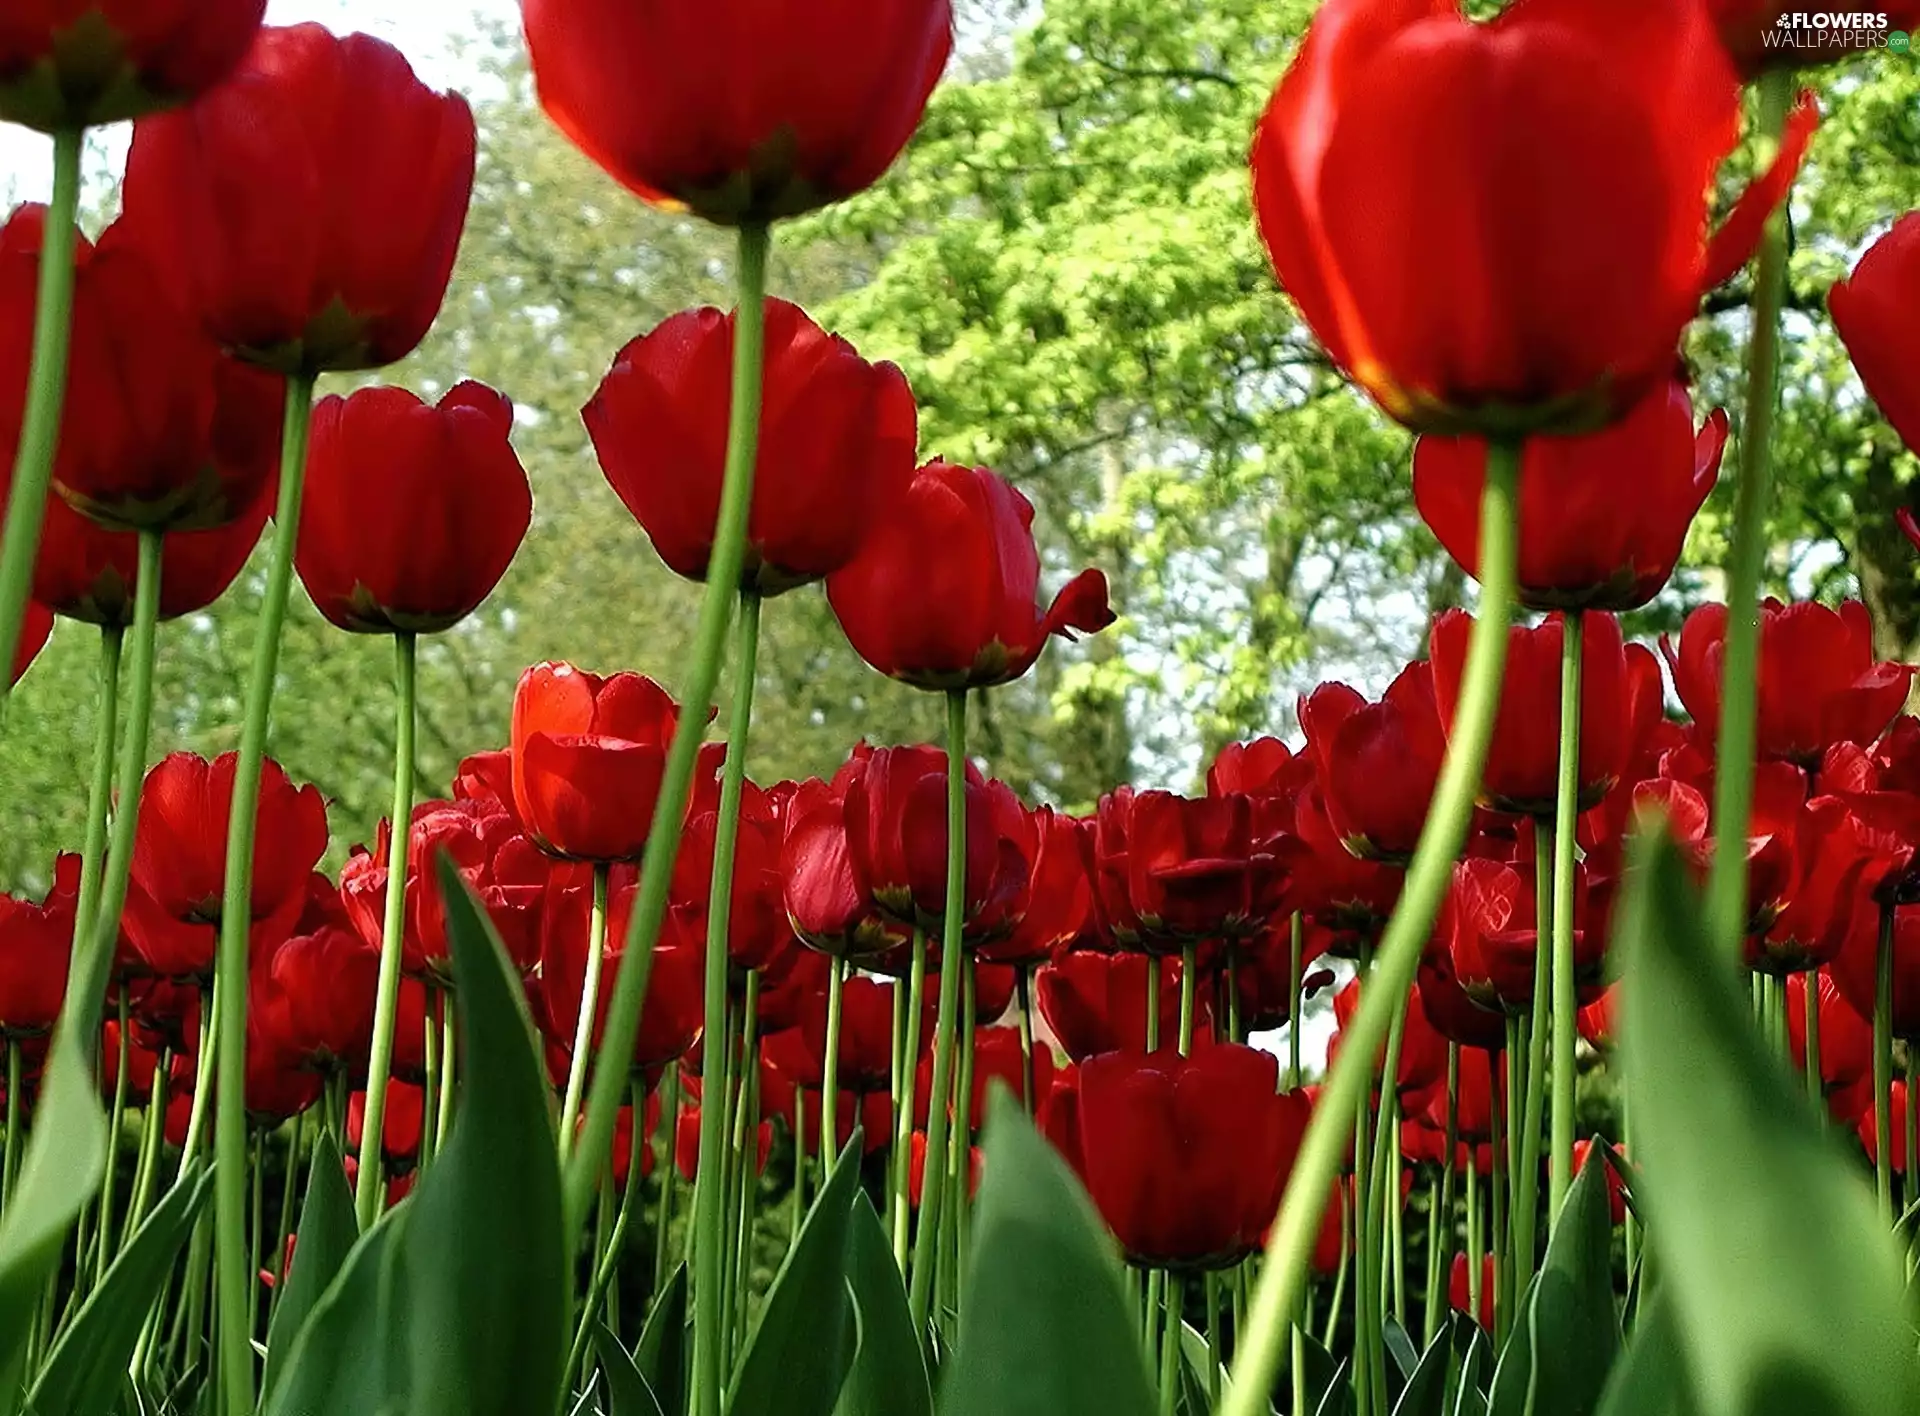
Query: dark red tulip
pixel 180 840
pixel 36 941
pixel 1869 311
pixel 1768 34
pixel 86 572
pixel 309 208
pixel 1263 974
pixel 897 838
pixel 996 1058
pixel 325 977
pixel 1094 1003
pixel 630 1141
pixel 1194 870
pixel 1334 888
pixel 866 1033
pixel 1584 1155
pixel 1377 762
pixel 1846 1042
pixel 827 903
pixel 670 1021
pixel 588 755
pixel 1186 1157
pixel 1059 907
pixel 1584 545
pixel 35 629
pixel 757 927
pixel 1819 681
pixel 400 1125
pixel 1449 1007
pixel 279 1085
pixel 917 1169
pixel 686 1144
pixel 1472 1113
pixel 1488 920
pixel 487 777
pixel 1683 793
pixel 1460 1289
pixel 1832 869
pixel 79 63
pixel 837 442
pixel 1853 969
pixel 1420 267
pixel 142 1065
pixel 943 595
pixel 688 111
pixel 1868 1127
pixel 413 511
pixel 1423 1051
pixel 1523 763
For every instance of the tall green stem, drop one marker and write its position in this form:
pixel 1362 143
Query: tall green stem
pixel 676 782
pixel 1810 1009
pixel 1566 818
pixel 830 1067
pixel 1170 1357
pixel 232 1280
pixel 386 1005
pixel 1296 946
pixel 1883 1065
pixel 589 1007
pixel 93 854
pixel 1290 1242
pixel 1526 1181
pixel 710 1193
pixel 10 1152
pixel 1189 980
pixel 46 396
pixel 116 1121
pixel 1739 677
pixel 926 1246
pixel 903 1083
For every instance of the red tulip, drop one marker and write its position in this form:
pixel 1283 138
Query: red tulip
pixel 1449 1007
pixel 325 977
pixel 996 1058
pixel 1586 542
pixel 79 63
pixel 36 941
pixel 1423 1052
pixel 487 777
pixel 828 905
pixel 1460 1289
pixel 1335 889
pixel 1194 870
pixel 1765 34
pixel 310 207
pixel 757 927
pixel 1523 764
pixel 1472 1111
pixel 279 1086
pixel 739 111
pixel 1059 906
pixel 1833 860
pixel 917 1169
pixel 400 1125
pixel 943 594
pixel 588 754
pixel 897 838
pixel 142 1065
pixel 1094 1003
pixel 1868 1127
pixel 1853 970
pixel 837 443
pixel 86 572
pixel 1870 312
pixel 1846 1042
pixel 1543 290
pixel 866 1034
pixel 1186 1157
pixel 413 511
pixel 180 839
pixel 35 629
pixel 686 1144
pixel 630 1141
pixel 1819 682
pixel 1377 763
pixel 1488 920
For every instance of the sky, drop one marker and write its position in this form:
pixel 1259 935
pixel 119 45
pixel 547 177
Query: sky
pixel 420 28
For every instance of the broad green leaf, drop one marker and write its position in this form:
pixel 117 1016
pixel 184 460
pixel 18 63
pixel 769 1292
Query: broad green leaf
pixel 1650 1379
pixel 1786 1291
pixel 889 1374
pixel 1337 1399
pixel 1199 1354
pixel 325 1237
pixel 1426 1390
pixel 1406 1357
pixel 1320 1371
pixel 797 1359
pixel 1469 1396
pixel 486 1275
pixel 627 1393
pixel 341 1360
pixel 87 1369
pixel 1559 1353
pixel 1047 1330
pixel 65 1159
pixel 661 1357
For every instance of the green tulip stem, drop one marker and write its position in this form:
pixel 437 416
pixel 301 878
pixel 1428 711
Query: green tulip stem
pixel 1023 984
pixel 608 1262
pixel 926 1244
pixel 830 1067
pixel 1476 1264
pixel 1810 1005
pixel 669 1172
pixel 1883 1066
pixel 710 1196
pixel 1170 1358
pixel 1739 678
pixel 1153 1002
pixel 903 1088
pixel 589 1007
pixel 93 853
pixel 1526 1187
pixel 46 397
pixel 10 1155
pixel 1295 983
pixel 1189 974
pixel 386 1004
pixel 231 1276
pixel 152 1132
pixel 1566 818
pixel 1291 1240
pixel 446 1017
pixel 724 570
pixel 103 1247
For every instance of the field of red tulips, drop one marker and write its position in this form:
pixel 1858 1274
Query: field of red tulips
pixel 1014 1110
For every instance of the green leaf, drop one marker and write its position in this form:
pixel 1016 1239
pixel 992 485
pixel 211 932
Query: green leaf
pixel 1426 1389
pixel 1650 1379
pixel 65 1160
pixel 1047 1329
pixel 455 1303
pixel 627 1393
pixel 1469 1399
pixel 1559 1353
pixel 325 1237
pixel 889 1374
pixel 1337 1399
pixel 1786 1291
pixel 661 1357
pixel 798 1358
pixel 487 1275
pixel 87 1369
pixel 1199 1354
pixel 1320 1372
pixel 1406 1357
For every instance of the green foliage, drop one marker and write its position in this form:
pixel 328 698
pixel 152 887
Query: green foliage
pixel 325 1237
pixel 1047 1328
pixel 1785 1290
pixel 889 1373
